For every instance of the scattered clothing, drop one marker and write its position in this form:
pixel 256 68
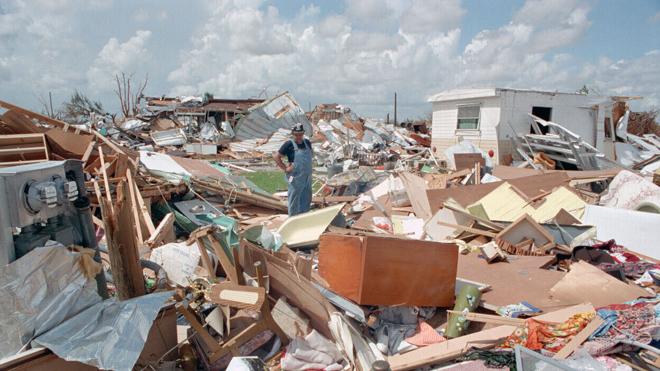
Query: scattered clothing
pixel 492 358
pixel 425 335
pixel 311 352
pixel 537 335
pixel 635 322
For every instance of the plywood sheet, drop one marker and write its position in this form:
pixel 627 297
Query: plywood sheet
pixel 521 278
pixel 416 190
pixel 68 144
pixel 467 160
pixel 529 186
pixel 587 283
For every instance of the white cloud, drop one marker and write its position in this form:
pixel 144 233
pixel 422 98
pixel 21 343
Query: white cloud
pixel 423 16
pixel 655 17
pixel 358 56
pixel 116 57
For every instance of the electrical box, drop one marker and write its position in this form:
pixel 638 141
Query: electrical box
pixel 38 204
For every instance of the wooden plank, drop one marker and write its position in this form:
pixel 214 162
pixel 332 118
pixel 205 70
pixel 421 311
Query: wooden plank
pixel 146 217
pixel 530 186
pixel 489 318
pixel 105 177
pixel 579 338
pixel 450 349
pixel 469 229
pixel 225 262
pixel 283 281
pixel 526 228
pixel 123 249
pixel 164 233
pixel 88 152
pixel 453 348
pixel 134 208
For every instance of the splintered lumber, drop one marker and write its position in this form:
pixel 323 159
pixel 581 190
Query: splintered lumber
pixel 284 281
pixel 63 125
pixel 136 215
pixel 240 194
pixel 122 245
pixel 20 149
pixel 164 233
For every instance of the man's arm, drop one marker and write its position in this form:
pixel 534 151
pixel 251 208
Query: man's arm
pixel 277 156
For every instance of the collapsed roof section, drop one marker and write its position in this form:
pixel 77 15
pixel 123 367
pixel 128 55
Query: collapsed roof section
pixel 262 120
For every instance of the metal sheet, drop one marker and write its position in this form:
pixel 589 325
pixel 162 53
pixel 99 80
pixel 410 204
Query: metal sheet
pixel 174 137
pixel 109 335
pixel 264 119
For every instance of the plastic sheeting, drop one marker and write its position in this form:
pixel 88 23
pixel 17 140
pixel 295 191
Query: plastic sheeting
pixel 466 147
pixel 109 335
pixel 209 132
pixel 38 292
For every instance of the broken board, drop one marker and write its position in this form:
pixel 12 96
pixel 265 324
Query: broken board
pixel 519 279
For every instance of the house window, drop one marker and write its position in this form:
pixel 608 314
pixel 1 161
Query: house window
pixel 468 117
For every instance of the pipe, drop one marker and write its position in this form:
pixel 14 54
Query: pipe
pixel 89 240
pixel 161 275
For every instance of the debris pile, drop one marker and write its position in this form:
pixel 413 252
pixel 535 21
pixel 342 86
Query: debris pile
pixel 130 254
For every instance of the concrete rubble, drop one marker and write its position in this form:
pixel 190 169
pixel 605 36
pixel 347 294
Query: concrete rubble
pixel 146 243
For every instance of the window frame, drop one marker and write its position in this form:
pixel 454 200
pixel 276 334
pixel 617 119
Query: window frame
pixel 458 128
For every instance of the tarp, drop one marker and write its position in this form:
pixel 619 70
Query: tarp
pixel 109 335
pixel 40 291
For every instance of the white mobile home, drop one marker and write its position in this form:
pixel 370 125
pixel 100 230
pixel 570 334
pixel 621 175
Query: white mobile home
pixel 489 118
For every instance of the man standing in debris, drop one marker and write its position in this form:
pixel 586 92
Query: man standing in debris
pixel 298 171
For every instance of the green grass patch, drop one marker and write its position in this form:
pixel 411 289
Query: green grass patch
pixel 273 180
pixel 269 180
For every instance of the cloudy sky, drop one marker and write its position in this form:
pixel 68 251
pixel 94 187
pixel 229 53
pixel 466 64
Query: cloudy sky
pixel 354 52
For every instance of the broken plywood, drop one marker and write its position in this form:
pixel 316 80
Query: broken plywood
pixel 416 190
pixel 520 279
pixel 529 186
pixel 587 283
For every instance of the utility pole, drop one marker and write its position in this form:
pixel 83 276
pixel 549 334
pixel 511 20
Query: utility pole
pixel 50 98
pixel 395 122
pixel 388 118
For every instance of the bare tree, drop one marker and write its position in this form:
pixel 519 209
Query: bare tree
pixel 129 99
